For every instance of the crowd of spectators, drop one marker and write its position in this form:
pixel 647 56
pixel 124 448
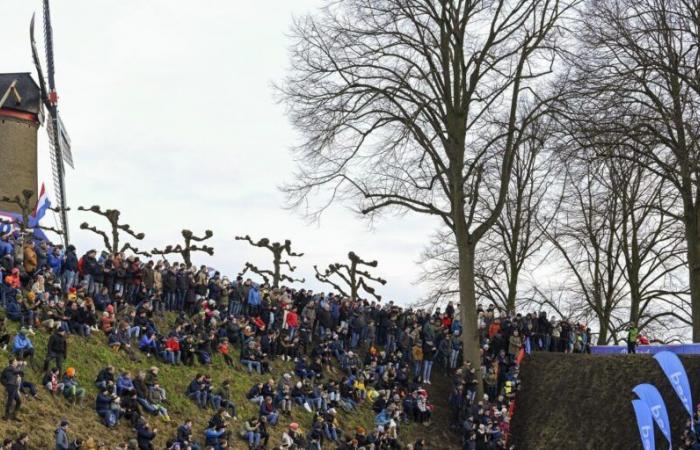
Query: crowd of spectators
pixel 344 353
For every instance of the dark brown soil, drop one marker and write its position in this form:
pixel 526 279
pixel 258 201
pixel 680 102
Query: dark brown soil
pixel 572 402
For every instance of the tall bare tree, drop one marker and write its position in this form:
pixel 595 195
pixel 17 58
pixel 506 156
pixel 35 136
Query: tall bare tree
pixel 641 58
pixel 353 276
pixel 585 234
pixel 413 105
pixel 515 240
pixel 185 251
pixel 278 250
pixel 111 238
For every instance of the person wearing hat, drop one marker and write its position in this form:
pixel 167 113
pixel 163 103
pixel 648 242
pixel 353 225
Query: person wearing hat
pixel 62 441
pixel 71 389
pixel 293 437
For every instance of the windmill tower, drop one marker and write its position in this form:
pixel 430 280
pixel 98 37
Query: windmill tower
pixel 20 117
pixel 59 142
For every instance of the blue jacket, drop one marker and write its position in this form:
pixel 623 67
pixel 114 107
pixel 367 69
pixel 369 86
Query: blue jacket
pixel 21 342
pixel 254 296
pixel 212 436
pixel 55 262
pixel 124 384
pixel 6 248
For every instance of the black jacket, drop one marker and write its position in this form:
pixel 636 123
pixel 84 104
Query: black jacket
pixel 57 345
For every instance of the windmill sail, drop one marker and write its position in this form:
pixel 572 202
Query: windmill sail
pixel 59 141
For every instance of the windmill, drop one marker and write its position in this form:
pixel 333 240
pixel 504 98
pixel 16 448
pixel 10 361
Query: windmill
pixel 59 142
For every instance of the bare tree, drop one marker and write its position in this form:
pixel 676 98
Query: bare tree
pixel 514 241
pixel 640 58
pixel 27 208
pixel 584 233
pixel 185 251
pixel 418 106
pixel 353 276
pixel 277 249
pixel 111 238
pixel 652 245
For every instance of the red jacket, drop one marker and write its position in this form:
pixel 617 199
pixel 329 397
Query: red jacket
pixel 172 344
pixel 292 319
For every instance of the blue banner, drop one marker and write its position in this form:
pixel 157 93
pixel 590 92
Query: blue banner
pixel 684 349
pixel 652 397
pixel 675 372
pixel 646 426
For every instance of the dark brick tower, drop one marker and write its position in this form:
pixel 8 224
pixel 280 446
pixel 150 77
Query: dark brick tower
pixel 20 116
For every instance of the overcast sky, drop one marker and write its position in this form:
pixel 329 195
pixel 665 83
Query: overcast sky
pixel 172 117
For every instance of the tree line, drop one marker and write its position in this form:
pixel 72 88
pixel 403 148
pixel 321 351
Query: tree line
pixel 555 142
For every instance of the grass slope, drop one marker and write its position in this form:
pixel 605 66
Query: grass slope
pixel 88 356
pixel 582 402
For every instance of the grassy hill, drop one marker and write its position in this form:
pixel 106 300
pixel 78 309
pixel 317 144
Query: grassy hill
pixel 40 417
pixel 581 402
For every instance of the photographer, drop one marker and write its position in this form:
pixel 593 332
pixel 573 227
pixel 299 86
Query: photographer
pixel 11 379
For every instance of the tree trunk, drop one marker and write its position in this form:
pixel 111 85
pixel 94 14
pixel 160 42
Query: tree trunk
pixel 693 239
pixel 467 302
pixel 512 290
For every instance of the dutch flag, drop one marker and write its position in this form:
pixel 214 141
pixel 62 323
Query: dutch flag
pixel 42 204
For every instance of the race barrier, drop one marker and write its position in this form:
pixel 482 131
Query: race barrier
pixel 681 349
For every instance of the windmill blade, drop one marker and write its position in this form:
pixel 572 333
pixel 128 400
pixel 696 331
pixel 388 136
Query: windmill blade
pixel 64 143
pixel 56 164
pixel 37 63
pixel 48 45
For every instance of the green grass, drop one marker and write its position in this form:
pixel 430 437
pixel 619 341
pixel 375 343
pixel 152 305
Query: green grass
pixel 89 356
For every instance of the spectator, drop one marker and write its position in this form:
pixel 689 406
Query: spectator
pixel 62 441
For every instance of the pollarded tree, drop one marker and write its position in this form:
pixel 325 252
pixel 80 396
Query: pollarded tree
pixel 111 238
pixel 354 277
pixel 411 105
pixel 27 212
pixel 277 249
pixel 185 251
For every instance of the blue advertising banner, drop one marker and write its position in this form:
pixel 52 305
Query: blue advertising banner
pixel 675 372
pixel 652 397
pixel 684 349
pixel 645 424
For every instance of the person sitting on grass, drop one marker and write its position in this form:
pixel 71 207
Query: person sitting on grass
pixel 52 381
pixel 216 438
pixel 269 410
pixel 149 344
pixel 105 379
pixel 251 432
pixel 197 391
pixel 222 398
pixel 145 436
pixel 249 358
pixel 184 436
pixel 107 407
pixel 22 346
pixel 71 389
